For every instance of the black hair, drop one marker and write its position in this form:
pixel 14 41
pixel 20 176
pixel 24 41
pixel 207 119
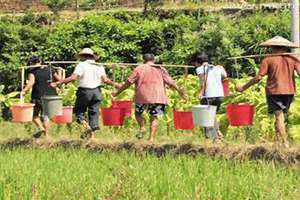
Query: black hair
pixel 148 57
pixel 199 57
pixel 34 60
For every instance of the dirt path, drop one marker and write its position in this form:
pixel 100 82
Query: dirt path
pixel 235 152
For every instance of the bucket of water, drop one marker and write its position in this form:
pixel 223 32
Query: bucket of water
pixel 204 115
pixel 113 116
pixel 52 106
pixel 127 105
pixel 226 87
pixel 66 116
pixel 240 114
pixel 22 112
pixel 183 120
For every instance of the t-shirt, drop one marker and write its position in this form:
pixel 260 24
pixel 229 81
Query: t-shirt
pixel 213 86
pixel 43 77
pixel 150 84
pixel 89 74
pixel 280 71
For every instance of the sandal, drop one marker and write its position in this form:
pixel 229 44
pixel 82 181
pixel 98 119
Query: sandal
pixel 86 134
pixel 38 134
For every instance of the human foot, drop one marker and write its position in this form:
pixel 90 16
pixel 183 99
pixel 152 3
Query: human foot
pixel 38 134
pixel 87 134
pixel 141 133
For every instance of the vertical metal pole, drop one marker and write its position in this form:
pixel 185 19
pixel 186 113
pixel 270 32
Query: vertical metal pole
pixel 295 21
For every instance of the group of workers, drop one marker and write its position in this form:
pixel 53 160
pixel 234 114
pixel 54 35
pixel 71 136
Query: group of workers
pixel 150 82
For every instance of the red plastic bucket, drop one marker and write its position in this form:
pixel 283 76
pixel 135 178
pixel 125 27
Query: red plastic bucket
pixel 226 87
pixel 183 120
pixel 240 114
pixel 113 116
pixel 127 105
pixel 66 117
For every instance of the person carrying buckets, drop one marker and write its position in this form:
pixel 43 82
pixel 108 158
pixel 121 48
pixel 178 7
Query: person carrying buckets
pixel 90 75
pixel 211 89
pixel 280 88
pixel 150 93
pixel 39 79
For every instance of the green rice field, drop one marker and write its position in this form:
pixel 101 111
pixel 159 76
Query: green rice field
pixel 28 173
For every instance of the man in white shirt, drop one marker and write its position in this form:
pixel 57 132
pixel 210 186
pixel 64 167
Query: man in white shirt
pixel 90 76
pixel 211 89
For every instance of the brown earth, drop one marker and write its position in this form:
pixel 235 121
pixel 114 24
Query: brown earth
pixel 266 152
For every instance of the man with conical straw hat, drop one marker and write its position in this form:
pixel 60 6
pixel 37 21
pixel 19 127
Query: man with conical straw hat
pixel 280 88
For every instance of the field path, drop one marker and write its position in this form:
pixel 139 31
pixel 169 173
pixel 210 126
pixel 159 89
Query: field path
pixel 235 152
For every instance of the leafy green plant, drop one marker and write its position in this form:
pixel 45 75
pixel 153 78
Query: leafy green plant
pixel 68 93
pixel 56 5
pixel 6 100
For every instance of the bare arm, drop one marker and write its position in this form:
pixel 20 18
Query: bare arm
pixel 71 78
pixel 106 80
pixel 253 81
pixel 126 85
pixel 31 81
pixel 57 77
pixel 201 90
pixel 297 68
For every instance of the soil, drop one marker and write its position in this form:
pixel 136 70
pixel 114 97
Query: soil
pixel 269 152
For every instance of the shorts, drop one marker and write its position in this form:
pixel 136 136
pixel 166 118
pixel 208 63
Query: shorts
pixel 279 103
pixel 153 109
pixel 38 109
pixel 214 101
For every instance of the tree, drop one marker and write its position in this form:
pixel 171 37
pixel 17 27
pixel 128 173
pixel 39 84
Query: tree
pixel 56 5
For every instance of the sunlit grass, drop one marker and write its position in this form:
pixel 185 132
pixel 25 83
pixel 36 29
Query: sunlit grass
pixel 79 174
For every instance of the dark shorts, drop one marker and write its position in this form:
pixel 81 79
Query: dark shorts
pixel 214 101
pixel 37 109
pixel 153 109
pixel 279 103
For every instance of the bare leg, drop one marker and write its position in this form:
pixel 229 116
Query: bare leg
pixel 141 121
pixel 153 128
pixel 37 121
pixel 46 125
pixel 280 127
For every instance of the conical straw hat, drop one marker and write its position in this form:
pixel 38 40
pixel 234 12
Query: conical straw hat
pixel 279 41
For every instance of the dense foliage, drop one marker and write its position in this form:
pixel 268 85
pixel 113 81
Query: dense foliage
pixel 124 36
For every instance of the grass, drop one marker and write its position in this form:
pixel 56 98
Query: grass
pixel 80 174
pixel 13 130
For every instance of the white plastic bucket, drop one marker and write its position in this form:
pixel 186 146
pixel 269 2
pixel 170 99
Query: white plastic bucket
pixel 204 115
